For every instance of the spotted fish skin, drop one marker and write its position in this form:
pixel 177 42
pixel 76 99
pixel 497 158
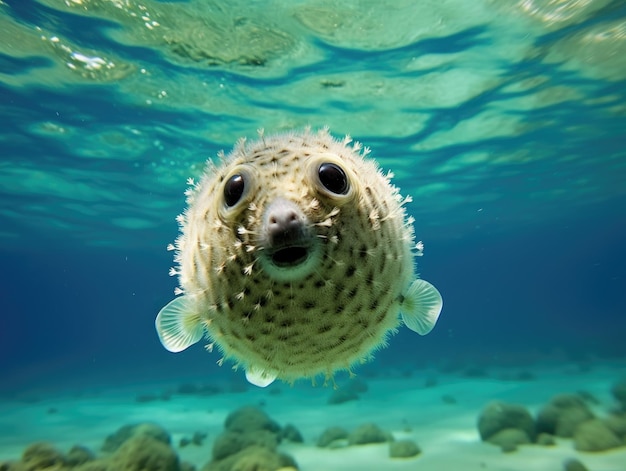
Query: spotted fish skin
pixel 322 298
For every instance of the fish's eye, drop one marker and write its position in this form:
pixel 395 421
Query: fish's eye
pixel 234 189
pixel 333 178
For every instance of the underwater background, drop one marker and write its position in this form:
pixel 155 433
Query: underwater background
pixel 505 121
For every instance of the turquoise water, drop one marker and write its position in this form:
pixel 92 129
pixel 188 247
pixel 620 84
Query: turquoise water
pixel 505 120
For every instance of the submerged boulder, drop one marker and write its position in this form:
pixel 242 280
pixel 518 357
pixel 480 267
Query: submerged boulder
pixel 404 449
pixel 253 458
pixel 619 392
pixel 144 453
pixel 509 439
pixel 228 443
pixel 332 435
pixel 368 433
pixel 249 443
pixel 79 455
pixel 594 435
pixel 573 464
pixel 498 416
pixel 248 419
pixel 562 415
pixel 124 433
pixel 42 455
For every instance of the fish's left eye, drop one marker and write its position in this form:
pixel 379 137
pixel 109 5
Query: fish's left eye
pixel 333 178
pixel 234 189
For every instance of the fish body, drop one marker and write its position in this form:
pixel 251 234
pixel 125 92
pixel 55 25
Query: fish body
pixel 295 258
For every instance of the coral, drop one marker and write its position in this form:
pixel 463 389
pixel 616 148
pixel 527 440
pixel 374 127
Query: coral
pixel 330 435
pixel 12 466
pixel 594 435
pixel 42 455
pixel 562 415
pixel 368 433
pixel 148 450
pixel 144 453
pixel 498 416
pixel 403 449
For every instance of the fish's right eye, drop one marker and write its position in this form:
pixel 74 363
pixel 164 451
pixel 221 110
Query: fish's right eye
pixel 333 178
pixel 233 190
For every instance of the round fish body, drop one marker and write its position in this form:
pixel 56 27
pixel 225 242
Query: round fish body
pixel 295 258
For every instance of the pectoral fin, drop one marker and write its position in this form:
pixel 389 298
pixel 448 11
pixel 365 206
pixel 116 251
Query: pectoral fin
pixel 421 307
pixel 259 377
pixel 179 325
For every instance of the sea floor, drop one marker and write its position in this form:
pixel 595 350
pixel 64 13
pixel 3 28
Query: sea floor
pixel 439 411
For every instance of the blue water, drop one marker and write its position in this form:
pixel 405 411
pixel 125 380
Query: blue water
pixel 506 124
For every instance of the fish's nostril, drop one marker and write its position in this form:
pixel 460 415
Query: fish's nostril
pixel 284 224
pixel 284 220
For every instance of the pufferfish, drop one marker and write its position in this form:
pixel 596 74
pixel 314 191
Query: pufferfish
pixel 295 258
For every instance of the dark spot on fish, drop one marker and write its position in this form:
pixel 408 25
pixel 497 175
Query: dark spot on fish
pixel 352 293
pixel 363 323
pixel 308 304
pixel 374 304
pixel 320 283
pixel 287 322
pixel 363 251
pixel 350 271
pixel 324 328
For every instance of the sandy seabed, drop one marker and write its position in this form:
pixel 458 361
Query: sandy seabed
pixel 441 417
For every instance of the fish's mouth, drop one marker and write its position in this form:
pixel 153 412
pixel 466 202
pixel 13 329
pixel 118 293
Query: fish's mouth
pixel 290 262
pixel 289 256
